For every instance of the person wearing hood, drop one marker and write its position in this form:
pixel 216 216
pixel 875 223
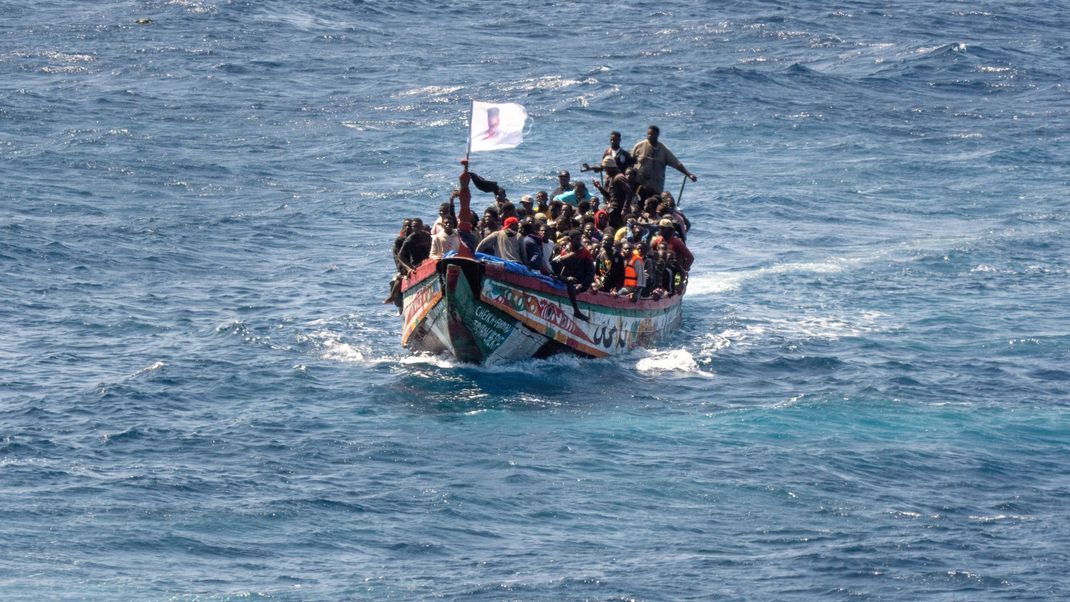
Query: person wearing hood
pixel 533 248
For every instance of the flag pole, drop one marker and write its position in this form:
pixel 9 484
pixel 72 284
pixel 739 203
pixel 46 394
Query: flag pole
pixel 464 223
pixel 471 116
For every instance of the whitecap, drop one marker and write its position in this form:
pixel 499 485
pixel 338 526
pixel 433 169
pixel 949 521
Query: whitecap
pixel 64 57
pixel 429 91
pixel 1000 517
pixel 150 368
pixel 671 360
pixel 331 347
pixel 198 7
pixel 787 403
pixel 829 327
pixel 718 341
pixel 546 82
pixel 709 283
pixel 427 359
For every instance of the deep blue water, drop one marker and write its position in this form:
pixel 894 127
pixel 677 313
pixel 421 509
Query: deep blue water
pixel 201 396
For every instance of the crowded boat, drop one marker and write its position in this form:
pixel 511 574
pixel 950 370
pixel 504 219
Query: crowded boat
pixel 624 235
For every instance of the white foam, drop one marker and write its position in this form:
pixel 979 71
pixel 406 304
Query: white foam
pixel 546 82
pixel 429 91
pixel 710 283
pixel 1001 517
pixel 425 359
pixel 671 360
pixel 717 341
pixel 829 327
pixel 789 402
pixel 150 368
pixel 68 58
pixel 332 347
pixel 198 7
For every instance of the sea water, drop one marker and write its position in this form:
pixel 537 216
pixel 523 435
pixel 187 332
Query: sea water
pixel 202 396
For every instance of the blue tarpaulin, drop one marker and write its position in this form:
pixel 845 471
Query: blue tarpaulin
pixel 516 268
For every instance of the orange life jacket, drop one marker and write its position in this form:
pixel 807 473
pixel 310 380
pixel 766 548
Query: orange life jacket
pixel 631 275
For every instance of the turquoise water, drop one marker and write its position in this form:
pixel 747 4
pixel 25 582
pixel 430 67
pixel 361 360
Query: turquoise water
pixel 201 396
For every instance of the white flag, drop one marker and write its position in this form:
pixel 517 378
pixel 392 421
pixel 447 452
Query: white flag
pixel 495 126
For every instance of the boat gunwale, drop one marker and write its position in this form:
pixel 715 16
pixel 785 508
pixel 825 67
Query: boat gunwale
pixel 608 300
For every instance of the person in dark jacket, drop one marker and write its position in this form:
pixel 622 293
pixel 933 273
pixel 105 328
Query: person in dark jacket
pixel 416 248
pixel 406 230
pixel 395 284
pixel 616 192
pixel 532 248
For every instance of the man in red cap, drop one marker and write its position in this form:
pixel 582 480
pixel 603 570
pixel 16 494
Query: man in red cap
pixel 504 243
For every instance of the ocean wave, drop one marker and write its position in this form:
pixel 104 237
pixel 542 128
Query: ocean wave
pixel 710 283
pixel 154 367
pixel 713 342
pixel 332 347
pixel 832 327
pixel 546 82
pixel 429 91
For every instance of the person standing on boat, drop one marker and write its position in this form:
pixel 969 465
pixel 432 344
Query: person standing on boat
pixel 651 159
pixel 620 157
pixel 617 192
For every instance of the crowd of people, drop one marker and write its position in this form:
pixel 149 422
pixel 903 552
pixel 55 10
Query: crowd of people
pixel 628 240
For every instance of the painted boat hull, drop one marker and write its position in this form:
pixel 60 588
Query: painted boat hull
pixel 484 312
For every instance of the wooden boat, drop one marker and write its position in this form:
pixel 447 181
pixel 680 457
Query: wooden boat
pixel 484 310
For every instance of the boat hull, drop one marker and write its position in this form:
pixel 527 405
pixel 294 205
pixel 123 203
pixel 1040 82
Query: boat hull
pixel 489 312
